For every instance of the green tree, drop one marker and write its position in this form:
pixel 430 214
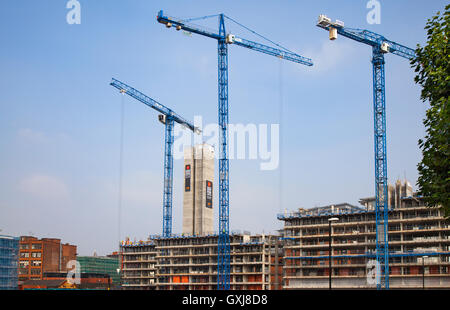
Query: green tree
pixel 432 64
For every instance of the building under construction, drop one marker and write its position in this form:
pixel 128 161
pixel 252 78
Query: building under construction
pixel 198 190
pixel 190 263
pixel 137 265
pixel 419 244
pixel 100 265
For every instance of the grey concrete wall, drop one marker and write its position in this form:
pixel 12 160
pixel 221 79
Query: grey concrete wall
pixel 197 216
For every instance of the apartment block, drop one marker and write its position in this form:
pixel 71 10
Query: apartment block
pixel 190 262
pixel 37 256
pixel 419 244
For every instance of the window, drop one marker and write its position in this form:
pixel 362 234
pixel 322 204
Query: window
pixel 36 246
pixel 24 246
pixel 24 255
pixel 35 271
pixel 36 254
pixel 36 263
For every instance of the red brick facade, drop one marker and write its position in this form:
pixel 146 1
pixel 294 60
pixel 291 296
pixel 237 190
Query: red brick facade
pixel 37 256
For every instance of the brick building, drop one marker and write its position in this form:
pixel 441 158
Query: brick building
pixel 37 256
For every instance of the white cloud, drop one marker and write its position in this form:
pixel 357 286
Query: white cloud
pixel 44 187
pixel 33 136
pixel 330 54
pixel 138 188
pixel 38 137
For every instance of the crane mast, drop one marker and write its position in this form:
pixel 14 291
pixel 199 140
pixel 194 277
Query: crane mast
pixel 380 46
pixel 223 40
pixel 168 118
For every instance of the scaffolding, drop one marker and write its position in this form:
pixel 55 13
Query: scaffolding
pixel 100 265
pixel 9 249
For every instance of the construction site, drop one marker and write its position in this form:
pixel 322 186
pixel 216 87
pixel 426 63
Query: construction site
pixel 299 256
pixel 393 239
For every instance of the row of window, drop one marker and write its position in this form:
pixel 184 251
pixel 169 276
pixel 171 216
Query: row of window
pixel 33 254
pixel 34 246
pixel 33 271
pixel 34 263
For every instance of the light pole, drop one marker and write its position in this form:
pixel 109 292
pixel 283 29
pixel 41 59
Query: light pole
pixel 423 271
pixel 330 220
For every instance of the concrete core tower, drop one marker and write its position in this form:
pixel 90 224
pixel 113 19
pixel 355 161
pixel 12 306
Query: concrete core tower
pixel 198 190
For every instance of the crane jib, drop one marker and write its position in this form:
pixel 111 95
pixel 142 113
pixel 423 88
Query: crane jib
pixel 132 92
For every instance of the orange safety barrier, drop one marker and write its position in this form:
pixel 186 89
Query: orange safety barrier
pixel 434 269
pixel 415 270
pixel 395 270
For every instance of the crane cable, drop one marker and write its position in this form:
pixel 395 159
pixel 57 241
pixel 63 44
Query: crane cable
pixel 259 35
pixel 280 98
pixel 122 119
pixel 187 20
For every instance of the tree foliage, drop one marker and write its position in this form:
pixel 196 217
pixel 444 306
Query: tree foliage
pixel 432 65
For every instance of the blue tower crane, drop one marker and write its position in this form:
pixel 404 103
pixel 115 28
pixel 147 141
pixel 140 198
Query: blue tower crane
pixel 380 46
pixel 168 118
pixel 223 38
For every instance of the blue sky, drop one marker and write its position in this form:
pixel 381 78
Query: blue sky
pixel 60 119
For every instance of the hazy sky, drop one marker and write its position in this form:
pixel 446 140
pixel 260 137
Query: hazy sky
pixel 60 119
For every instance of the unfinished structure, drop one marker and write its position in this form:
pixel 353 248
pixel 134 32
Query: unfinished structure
pixel 137 265
pixel 190 263
pixel 100 265
pixel 419 244
pixel 198 190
